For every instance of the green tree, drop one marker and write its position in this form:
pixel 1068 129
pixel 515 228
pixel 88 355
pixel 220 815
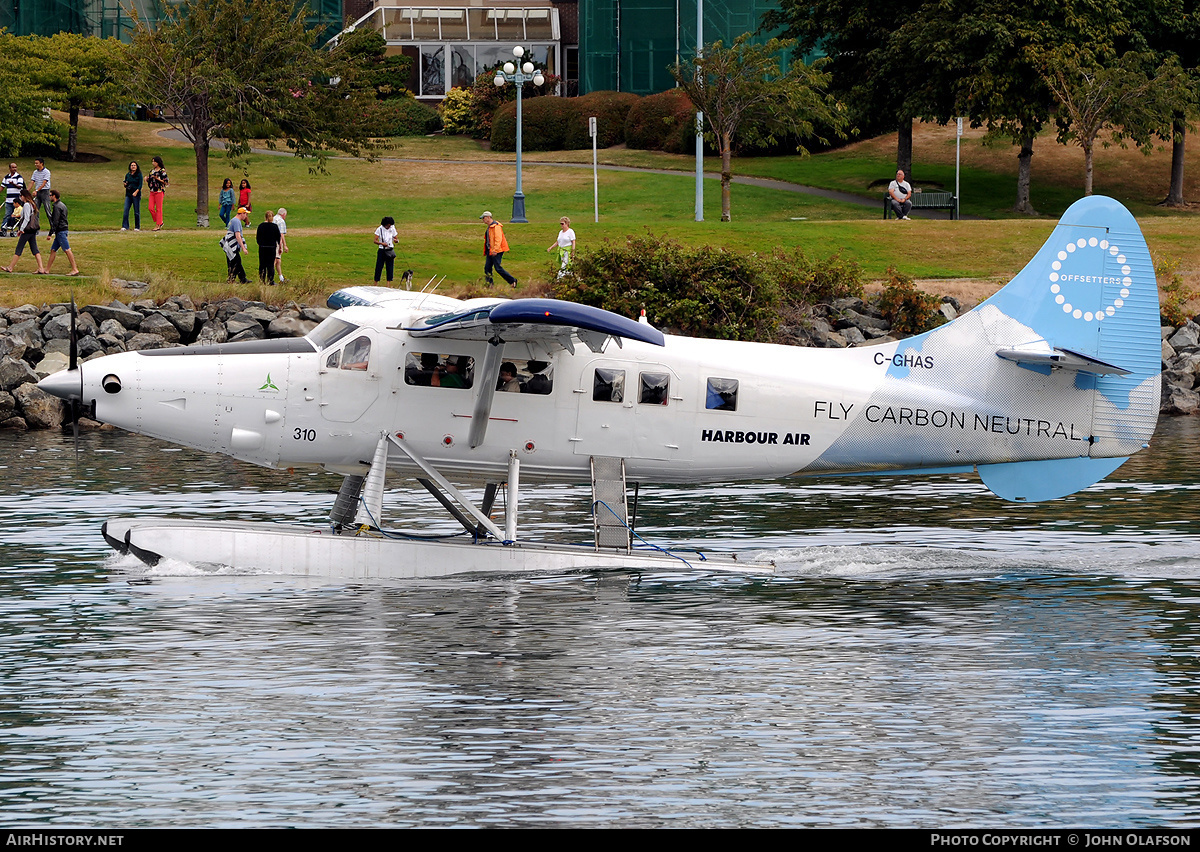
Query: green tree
pixel 744 94
pixel 1124 98
pixel 986 62
pixel 244 69
pixel 873 69
pixel 77 72
pixel 23 104
pixel 1170 28
pixel 366 50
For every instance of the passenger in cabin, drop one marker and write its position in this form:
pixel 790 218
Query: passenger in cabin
pixel 508 378
pixel 541 381
pixel 452 374
pixel 421 372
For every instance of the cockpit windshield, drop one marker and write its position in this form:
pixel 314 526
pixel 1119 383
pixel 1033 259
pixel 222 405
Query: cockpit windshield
pixel 330 332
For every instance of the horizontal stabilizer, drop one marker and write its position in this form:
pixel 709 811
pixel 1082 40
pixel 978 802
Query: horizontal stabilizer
pixel 534 319
pixel 1063 359
pixel 1034 481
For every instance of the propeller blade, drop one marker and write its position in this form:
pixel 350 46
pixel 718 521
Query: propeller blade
pixel 76 401
pixel 73 352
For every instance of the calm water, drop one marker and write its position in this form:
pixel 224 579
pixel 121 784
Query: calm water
pixel 931 657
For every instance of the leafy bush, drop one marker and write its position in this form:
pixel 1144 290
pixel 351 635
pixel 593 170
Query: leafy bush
pixel 662 122
pixel 704 291
pixel 909 310
pixel 610 109
pixel 413 118
pixel 544 124
pixel 458 115
pixel 1175 293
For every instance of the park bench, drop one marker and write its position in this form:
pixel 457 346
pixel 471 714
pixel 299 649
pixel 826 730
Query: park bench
pixel 926 201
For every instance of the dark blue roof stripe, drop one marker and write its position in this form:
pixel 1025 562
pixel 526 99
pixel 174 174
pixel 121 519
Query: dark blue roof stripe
pixel 556 312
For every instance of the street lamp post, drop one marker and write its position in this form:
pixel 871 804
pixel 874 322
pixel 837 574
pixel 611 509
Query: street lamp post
pixel 511 73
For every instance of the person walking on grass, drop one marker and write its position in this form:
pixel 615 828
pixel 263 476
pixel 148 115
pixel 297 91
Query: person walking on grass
pixel 237 245
pixel 157 182
pixel 58 233
pixel 28 231
pixel 13 184
pixel 267 237
pixel 281 223
pixel 133 197
pixel 494 247
pixel 565 243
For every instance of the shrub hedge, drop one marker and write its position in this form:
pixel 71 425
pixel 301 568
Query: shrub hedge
pixel 544 124
pixel 705 291
pixel 610 109
pixel 562 123
pixel 662 122
pixel 410 117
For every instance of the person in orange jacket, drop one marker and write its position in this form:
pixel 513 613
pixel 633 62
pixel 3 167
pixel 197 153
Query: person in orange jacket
pixel 494 247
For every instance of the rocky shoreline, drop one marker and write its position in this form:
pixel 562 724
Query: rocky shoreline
pixel 34 342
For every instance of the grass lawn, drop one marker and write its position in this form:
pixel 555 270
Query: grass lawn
pixel 436 205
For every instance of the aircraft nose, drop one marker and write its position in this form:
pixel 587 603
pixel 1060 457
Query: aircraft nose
pixel 64 384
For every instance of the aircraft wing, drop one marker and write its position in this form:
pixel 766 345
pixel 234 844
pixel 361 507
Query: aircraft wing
pixel 543 320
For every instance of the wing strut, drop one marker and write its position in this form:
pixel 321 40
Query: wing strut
pixel 487 389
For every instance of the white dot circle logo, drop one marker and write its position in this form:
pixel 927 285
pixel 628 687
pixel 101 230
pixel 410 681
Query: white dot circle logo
pixel 1057 276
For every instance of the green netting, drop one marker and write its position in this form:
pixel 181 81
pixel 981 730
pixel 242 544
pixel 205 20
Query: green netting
pixel 629 45
pixel 112 18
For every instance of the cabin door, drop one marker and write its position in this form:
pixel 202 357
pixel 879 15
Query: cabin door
pixel 631 409
pixel 349 379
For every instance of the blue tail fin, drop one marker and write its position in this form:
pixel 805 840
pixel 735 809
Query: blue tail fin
pixel 1091 292
pixel 1044 388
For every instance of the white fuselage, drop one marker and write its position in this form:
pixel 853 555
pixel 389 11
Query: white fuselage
pixel 303 408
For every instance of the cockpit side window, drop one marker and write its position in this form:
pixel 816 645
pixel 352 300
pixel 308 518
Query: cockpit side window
pixel 356 354
pixel 608 385
pixel 722 395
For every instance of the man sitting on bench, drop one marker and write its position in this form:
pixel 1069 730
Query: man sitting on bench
pixel 900 196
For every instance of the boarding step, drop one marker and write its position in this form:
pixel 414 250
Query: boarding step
pixel 610 509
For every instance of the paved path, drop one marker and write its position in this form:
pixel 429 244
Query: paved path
pixel 745 180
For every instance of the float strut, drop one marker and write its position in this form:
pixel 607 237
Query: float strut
pixel 468 525
pixel 446 487
pixel 514 492
pixel 489 500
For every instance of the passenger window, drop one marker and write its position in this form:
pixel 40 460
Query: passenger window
pixel 533 376
pixel 722 395
pixel 334 358
pixel 429 369
pixel 608 385
pixel 655 388
pixel 356 354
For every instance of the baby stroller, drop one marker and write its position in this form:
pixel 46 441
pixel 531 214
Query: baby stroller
pixel 8 228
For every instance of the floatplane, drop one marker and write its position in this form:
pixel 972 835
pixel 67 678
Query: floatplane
pixel 1043 389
